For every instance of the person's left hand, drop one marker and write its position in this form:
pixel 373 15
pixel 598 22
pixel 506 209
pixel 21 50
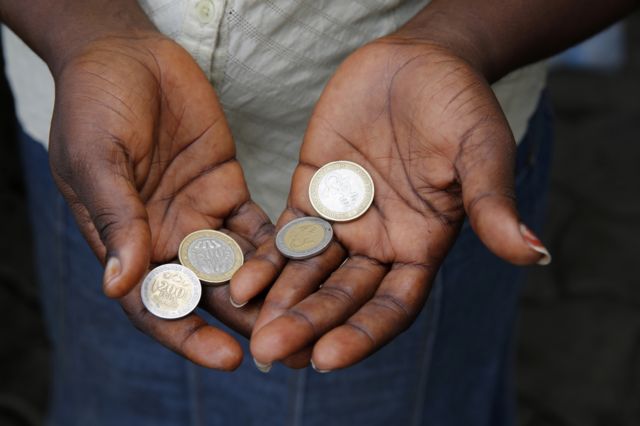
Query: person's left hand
pixel 430 132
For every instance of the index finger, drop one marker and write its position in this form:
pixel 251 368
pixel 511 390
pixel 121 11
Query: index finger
pixel 392 310
pixel 190 336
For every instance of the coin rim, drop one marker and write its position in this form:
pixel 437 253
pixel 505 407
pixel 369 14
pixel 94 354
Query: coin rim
pixel 180 314
pixel 216 279
pixel 280 245
pixel 341 217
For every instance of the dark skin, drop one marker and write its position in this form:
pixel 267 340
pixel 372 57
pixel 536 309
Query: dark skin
pixel 416 110
pixel 141 150
pixel 429 172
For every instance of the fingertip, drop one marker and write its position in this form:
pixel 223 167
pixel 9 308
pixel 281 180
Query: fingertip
pixel 299 360
pixel 338 349
pixel 281 338
pixel 319 370
pixel 250 280
pixel 110 282
pixel 215 349
pixel 259 346
pixel 496 222
pixel 262 367
pixel 229 357
pixel 536 245
pixel 124 270
pixel 236 304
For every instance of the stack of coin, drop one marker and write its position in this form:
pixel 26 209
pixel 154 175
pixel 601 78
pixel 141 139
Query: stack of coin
pixel 173 291
pixel 339 191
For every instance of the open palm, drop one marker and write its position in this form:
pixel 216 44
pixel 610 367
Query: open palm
pixel 141 150
pixel 431 134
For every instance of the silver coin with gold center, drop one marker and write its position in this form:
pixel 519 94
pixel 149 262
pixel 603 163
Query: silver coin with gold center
pixel 212 255
pixel 171 291
pixel 341 191
pixel 304 237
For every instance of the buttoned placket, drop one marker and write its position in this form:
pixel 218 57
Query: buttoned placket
pixel 200 30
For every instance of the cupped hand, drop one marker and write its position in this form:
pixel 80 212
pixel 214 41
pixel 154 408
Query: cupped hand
pixel 429 130
pixel 142 152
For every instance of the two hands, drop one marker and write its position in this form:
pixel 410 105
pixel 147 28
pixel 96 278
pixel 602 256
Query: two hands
pixel 141 150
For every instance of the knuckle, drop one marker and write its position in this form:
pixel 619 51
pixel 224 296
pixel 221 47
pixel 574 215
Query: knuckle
pixel 268 258
pixel 264 231
pixel 188 333
pixel 337 292
pixel 363 330
pixel 305 318
pixel 273 304
pixel 106 222
pixel 396 307
pixel 476 200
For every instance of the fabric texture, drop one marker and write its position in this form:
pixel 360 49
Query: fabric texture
pixel 452 367
pixel 269 61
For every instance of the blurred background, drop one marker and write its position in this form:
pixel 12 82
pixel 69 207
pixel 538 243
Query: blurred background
pixel 24 350
pixel 579 332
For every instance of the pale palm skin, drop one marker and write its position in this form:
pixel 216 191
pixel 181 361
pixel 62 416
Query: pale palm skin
pixel 430 132
pixel 142 152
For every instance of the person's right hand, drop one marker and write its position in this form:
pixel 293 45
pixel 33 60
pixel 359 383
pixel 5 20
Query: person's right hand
pixel 142 152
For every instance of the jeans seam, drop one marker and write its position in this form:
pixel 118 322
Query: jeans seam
pixel 298 397
pixel 63 269
pixel 193 392
pixel 433 319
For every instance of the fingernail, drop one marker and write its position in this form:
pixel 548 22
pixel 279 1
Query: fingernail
pixel 111 271
pixel 237 305
pixel 265 368
pixel 535 244
pixel 317 370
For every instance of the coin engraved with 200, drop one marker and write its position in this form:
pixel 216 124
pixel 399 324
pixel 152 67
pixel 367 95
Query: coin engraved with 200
pixel 171 291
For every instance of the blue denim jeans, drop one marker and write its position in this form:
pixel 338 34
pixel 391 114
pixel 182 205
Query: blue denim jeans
pixel 452 367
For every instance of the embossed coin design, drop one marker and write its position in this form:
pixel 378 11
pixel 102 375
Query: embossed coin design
pixel 171 291
pixel 212 255
pixel 304 237
pixel 341 191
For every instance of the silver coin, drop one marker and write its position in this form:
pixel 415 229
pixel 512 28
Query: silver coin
pixel 341 191
pixel 304 237
pixel 171 291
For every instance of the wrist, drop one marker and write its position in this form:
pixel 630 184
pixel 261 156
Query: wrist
pixel 72 41
pixel 457 31
pixel 58 30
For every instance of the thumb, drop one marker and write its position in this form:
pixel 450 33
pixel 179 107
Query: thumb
pixel 486 170
pixel 113 219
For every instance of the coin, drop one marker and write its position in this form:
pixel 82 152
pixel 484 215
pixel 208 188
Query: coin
pixel 341 191
pixel 212 255
pixel 304 237
pixel 171 291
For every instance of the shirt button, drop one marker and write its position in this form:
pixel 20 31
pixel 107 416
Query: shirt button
pixel 205 11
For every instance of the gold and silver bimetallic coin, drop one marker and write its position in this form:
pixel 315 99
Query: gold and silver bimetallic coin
pixel 171 291
pixel 341 191
pixel 212 255
pixel 304 237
